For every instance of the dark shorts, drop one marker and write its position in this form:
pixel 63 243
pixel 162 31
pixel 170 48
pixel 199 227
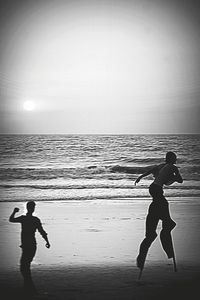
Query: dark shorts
pixel 158 210
pixel 28 253
pixel 156 193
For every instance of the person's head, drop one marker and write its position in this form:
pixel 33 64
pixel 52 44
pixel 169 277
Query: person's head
pixel 30 206
pixel 170 157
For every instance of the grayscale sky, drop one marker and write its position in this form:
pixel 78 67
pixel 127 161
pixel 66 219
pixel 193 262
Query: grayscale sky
pixel 107 67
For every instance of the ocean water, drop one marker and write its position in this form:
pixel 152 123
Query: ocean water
pixel 83 167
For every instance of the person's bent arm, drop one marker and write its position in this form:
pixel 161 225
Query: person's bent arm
pixel 178 176
pixel 12 216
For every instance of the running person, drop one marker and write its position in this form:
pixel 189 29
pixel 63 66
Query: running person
pixel 165 173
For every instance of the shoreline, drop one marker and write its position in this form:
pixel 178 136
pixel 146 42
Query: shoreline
pixel 114 199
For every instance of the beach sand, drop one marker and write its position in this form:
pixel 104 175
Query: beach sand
pixel 94 245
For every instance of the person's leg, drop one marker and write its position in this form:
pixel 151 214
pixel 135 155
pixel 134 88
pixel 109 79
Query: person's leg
pixel 151 225
pixel 165 235
pixel 28 254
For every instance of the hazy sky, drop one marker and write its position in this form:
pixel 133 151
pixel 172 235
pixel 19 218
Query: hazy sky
pixel 100 66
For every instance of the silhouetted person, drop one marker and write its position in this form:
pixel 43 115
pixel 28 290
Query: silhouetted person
pixel 28 242
pixel 165 173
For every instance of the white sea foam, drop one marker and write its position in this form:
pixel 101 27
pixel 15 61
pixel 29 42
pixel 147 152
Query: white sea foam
pixel 53 167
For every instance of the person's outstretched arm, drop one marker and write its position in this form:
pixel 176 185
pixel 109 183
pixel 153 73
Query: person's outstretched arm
pixel 12 216
pixel 151 171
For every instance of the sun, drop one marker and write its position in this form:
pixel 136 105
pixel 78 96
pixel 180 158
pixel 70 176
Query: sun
pixel 29 105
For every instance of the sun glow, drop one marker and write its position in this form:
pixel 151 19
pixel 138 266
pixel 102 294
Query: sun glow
pixel 29 105
pixel 98 67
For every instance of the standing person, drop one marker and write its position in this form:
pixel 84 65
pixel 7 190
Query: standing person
pixel 28 242
pixel 165 173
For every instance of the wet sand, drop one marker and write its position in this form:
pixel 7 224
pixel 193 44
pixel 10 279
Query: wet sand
pixel 93 249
